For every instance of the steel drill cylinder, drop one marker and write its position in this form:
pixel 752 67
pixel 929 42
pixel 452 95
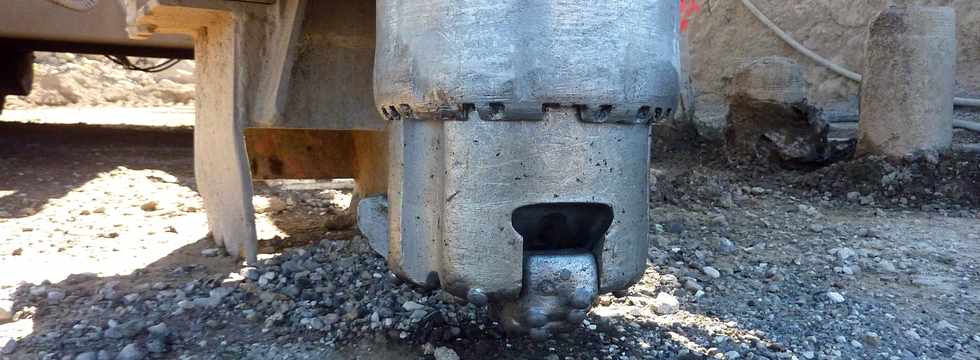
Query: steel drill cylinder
pixel 519 139
pixel 907 91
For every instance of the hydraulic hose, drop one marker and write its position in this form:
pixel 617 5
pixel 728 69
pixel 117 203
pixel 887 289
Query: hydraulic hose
pixel 822 60
pixel 77 5
pixel 959 124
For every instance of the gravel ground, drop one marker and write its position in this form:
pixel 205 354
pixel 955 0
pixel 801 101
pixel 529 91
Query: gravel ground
pixel 105 256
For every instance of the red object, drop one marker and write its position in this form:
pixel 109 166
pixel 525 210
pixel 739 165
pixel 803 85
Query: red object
pixel 688 8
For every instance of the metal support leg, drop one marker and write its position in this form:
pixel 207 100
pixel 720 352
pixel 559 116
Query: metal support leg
pixel 220 163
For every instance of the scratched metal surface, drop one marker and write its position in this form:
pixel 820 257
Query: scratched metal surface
pixel 438 56
pixel 498 104
pixel 454 186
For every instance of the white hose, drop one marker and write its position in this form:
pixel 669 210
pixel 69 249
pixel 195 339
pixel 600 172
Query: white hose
pixel 77 5
pixel 959 124
pixel 967 148
pixel 823 61
pixel 967 125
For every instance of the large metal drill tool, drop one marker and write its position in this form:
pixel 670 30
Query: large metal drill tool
pixel 519 143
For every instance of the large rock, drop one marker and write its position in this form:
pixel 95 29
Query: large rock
pixel 724 35
pixel 770 79
pixel 907 94
pixel 711 122
pixel 769 117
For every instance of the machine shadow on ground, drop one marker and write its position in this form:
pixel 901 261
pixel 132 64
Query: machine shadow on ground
pixel 72 155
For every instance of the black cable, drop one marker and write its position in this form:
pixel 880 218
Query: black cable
pixel 128 65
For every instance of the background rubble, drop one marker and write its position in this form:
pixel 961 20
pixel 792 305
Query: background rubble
pixel 65 79
pixel 836 29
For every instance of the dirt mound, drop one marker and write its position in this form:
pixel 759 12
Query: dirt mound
pixel 64 79
pixel 954 179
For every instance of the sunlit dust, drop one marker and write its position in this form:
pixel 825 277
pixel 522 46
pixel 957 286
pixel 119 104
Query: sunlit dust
pixel 113 216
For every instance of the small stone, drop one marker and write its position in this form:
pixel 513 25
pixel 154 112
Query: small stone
pixel 412 306
pixel 846 270
pixel 160 330
pixel 853 196
pixel 418 314
pixel 872 233
pixel 6 311
pixel 131 298
pixel 476 297
pixel 17 252
pixel 159 286
pixel 867 200
pixel 126 330
pixel 444 353
pixel 817 228
pixel 665 304
pixel 55 296
pixel 726 246
pixel 213 252
pixel 872 339
pixel 726 201
pixel 353 313
pixel 267 278
pixel 250 273
pixel 809 210
pixel 885 266
pixel 675 227
pixel 731 355
pixel 835 297
pixel 670 281
pixel 130 352
pixel 9 347
pixel 843 253
pixel 331 319
pixel 149 206
pixel 711 272
pixel 38 290
pixel 88 355
pixel 156 346
pixel 946 325
pixel 692 285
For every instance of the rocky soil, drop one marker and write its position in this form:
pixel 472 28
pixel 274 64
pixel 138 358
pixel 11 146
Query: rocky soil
pixel 105 256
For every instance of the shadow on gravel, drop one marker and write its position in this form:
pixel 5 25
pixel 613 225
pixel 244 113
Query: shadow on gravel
pixel 40 162
pixel 108 313
pixel 78 319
